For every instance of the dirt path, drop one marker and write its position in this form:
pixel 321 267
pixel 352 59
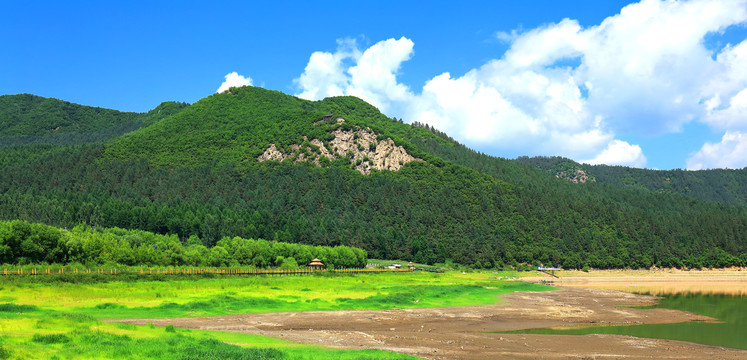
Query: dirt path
pixel 464 332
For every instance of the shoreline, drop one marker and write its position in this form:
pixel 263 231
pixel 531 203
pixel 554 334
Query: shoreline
pixel 468 332
pixel 659 282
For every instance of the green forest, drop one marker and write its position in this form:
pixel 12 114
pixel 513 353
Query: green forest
pixel 194 174
pixel 24 243
pixel 29 119
pixel 724 186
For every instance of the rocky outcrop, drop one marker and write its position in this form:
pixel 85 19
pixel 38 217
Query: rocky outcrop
pixel 272 153
pixel 576 176
pixel 362 146
pixel 369 153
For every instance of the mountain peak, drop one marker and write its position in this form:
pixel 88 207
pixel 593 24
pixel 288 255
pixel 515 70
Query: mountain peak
pixel 250 124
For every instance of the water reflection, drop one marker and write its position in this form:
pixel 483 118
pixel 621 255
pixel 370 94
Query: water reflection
pixel 729 331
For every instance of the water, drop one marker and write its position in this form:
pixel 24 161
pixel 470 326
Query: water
pixel 729 331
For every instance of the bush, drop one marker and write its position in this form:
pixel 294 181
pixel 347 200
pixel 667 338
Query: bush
pixel 13 308
pixel 50 339
pixel 289 263
pixel 213 349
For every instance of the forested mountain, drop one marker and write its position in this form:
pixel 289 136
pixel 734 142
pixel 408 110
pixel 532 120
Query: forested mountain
pixel 256 163
pixel 29 119
pixel 724 186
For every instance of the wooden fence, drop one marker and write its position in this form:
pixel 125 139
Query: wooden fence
pixel 191 271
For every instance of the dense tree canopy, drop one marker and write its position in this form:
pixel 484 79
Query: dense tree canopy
pixel 196 173
pixel 29 119
pixel 27 243
pixel 722 185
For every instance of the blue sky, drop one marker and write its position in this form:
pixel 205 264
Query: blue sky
pixel 658 84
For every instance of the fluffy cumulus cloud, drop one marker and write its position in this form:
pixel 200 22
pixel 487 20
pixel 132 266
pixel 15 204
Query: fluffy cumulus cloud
pixel 731 152
pixel 562 89
pixel 234 80
pixel 369 74
pixel 726 93
pixel 620 153
pixel 325 74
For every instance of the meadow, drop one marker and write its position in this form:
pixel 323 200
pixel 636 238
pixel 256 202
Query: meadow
pixel 60 316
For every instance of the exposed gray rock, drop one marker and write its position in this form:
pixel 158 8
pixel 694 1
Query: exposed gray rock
pixel 367 152
pixel 272 153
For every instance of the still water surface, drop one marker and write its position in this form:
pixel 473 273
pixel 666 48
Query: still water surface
pixel 729 331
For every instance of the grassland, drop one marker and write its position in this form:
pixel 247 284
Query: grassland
pixel 54 316
pixel 40 334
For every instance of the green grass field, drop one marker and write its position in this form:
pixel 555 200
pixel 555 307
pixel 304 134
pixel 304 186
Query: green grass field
pixel 58 317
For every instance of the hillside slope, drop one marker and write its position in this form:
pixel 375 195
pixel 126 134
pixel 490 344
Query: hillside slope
pixel 724 186
pixel 241 125
pixel 29 119
pixel 206 171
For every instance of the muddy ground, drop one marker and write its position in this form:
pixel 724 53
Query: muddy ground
pixel 465 332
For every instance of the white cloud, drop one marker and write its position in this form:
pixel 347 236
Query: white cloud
pixel 372 76
pixel 562 89
pixel 325 74
pixel 620 153
pixel 731 152
pixel 481 109
pixel 507 36
pixel 234 80
pixel 726 104
pixel 648 64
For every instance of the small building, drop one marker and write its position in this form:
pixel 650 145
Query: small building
pixel 411 266
pixel 327 117
pixel 316 264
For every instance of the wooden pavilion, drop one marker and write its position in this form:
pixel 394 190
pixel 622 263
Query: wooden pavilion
pixel 316 264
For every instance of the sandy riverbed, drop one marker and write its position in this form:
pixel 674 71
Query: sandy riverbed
pixel 465 332
pixel 666 281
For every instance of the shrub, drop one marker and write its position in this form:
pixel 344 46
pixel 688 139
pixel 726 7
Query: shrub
pixel 213 349
pixel 50 339
pixel 8 307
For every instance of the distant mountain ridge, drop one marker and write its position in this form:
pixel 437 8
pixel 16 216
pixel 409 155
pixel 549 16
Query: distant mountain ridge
pixel 29 119
pixel 722 185
pixel 254 163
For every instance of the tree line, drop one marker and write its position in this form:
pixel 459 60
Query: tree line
pixel 727 186
pixel 24 243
